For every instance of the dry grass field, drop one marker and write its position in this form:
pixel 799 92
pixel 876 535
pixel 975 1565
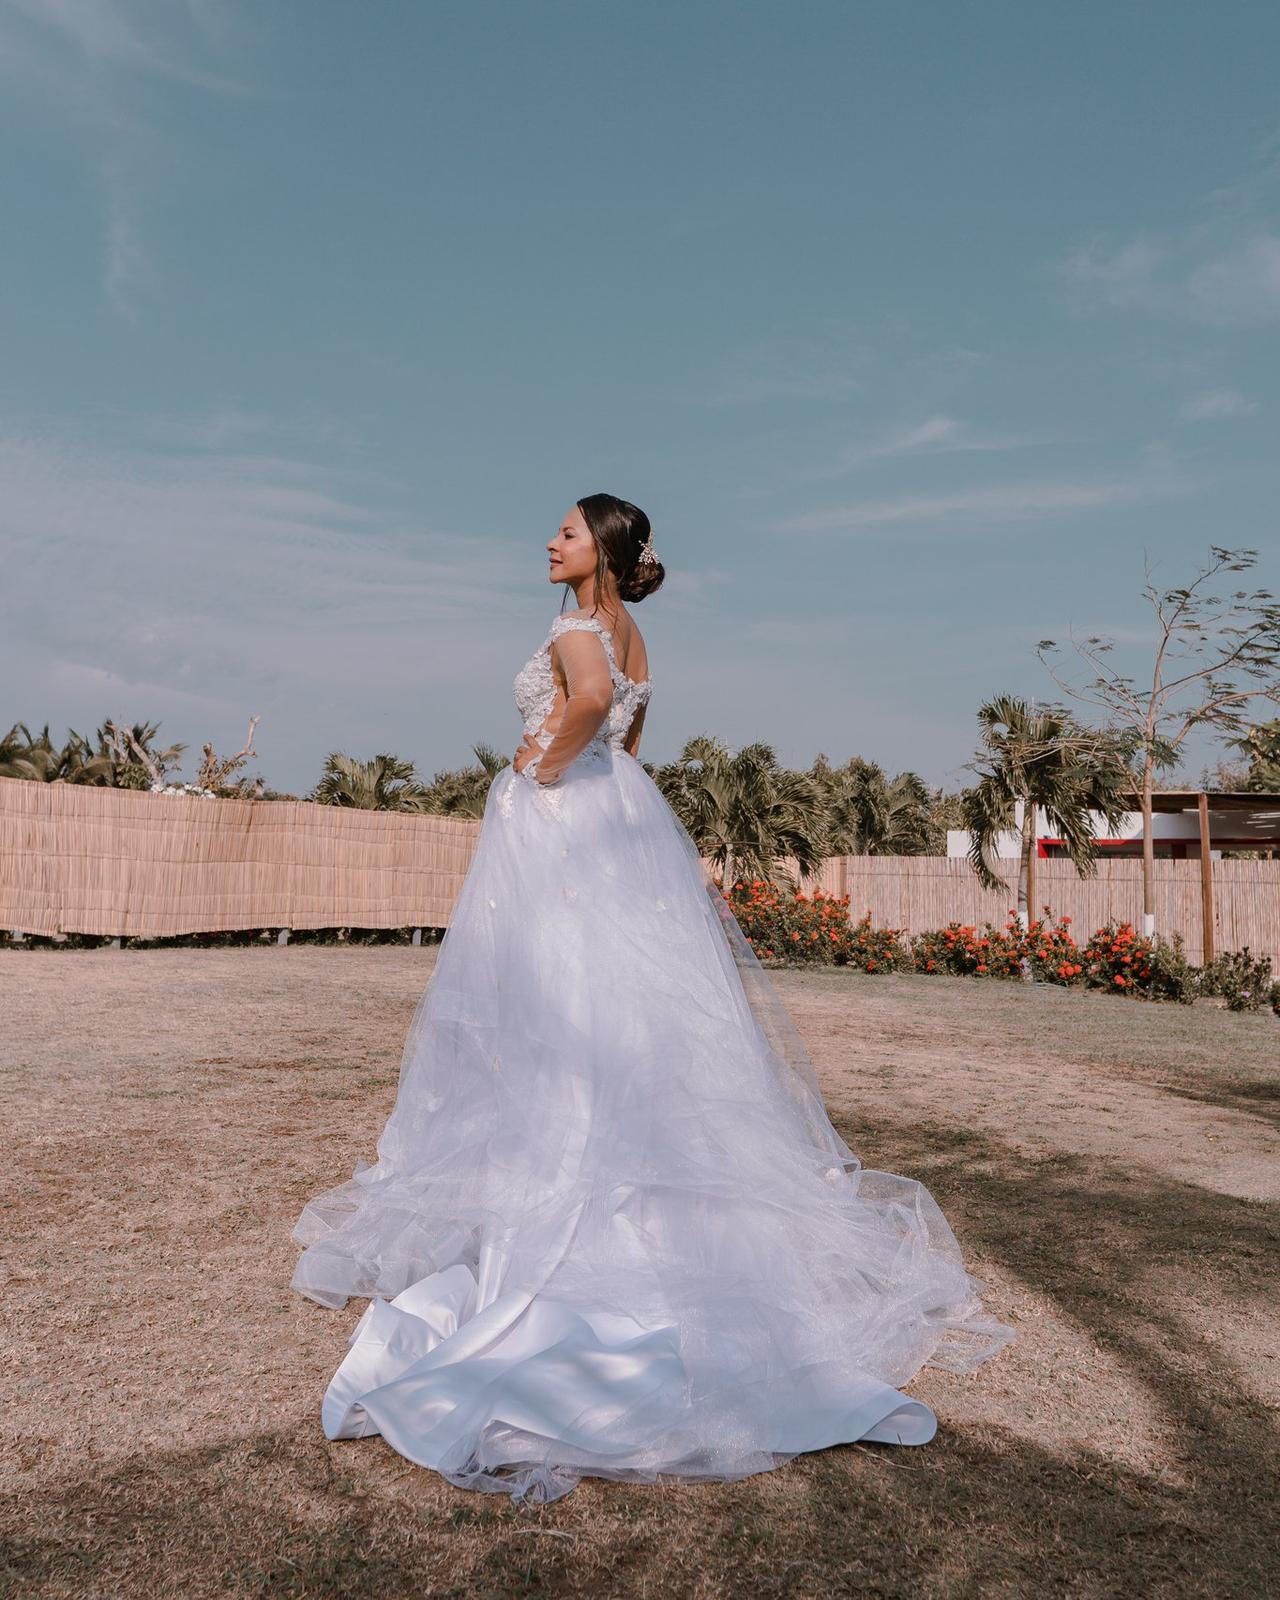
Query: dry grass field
pixel 1109 1166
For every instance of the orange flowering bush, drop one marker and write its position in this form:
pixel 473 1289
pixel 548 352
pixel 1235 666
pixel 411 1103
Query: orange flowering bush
pixel 1051 951
pixel 785 926
pixel 1116 959
pixel 963 949
pixel 876 949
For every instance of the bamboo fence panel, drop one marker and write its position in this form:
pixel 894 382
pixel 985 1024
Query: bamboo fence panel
pixel 917 893
pixel 80 859
pixel 76 858
pixel 1246 904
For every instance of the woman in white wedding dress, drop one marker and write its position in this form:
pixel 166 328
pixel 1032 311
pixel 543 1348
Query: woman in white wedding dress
pixel 611 1229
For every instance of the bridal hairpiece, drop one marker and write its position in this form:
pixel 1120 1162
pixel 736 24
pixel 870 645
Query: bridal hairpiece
pixel 647 555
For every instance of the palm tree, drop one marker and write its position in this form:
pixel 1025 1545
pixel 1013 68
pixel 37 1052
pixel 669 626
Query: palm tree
pixel 113 762
pixel 463 793
pixel 22 756
pixel 136 763
pixel 1044 759
pixel 869 814
pixel 743 810
pixel 384 784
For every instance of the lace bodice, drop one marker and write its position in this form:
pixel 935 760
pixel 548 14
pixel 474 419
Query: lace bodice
pixel 535 688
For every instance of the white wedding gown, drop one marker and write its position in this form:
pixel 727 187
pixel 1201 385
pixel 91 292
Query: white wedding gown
pixel 610 1229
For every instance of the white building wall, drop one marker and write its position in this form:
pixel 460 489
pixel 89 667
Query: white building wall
pixel 1182 825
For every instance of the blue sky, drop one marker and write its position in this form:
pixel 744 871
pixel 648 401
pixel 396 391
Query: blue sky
pixel 917 330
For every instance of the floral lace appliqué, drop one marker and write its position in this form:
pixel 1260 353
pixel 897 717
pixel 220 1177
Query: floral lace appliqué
pixel 535 693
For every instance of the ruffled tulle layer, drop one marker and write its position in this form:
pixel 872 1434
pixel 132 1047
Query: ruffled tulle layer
pixel 611 1230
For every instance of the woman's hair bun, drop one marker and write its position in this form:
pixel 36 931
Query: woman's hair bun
pixel 621 531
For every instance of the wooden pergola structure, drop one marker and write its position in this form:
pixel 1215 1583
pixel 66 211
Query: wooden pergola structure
pixel 1226 819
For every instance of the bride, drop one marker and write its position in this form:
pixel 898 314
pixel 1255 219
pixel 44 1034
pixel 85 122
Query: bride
pixel 611 1229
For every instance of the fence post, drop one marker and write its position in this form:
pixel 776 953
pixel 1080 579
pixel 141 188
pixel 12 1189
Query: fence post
pixel 1206 883
pixel 417 936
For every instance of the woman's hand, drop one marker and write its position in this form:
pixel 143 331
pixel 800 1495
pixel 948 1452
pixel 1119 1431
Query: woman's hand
pixel 529 747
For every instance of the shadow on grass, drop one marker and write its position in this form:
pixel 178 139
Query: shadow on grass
pixel 1140 1263
pixel 1257 1097
pixel 980 1512
pixel 1146 1267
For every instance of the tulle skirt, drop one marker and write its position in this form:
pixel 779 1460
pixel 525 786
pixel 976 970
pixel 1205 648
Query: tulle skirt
pixel 610 1229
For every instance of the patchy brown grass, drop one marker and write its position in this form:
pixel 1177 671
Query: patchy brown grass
pixel 1109 1166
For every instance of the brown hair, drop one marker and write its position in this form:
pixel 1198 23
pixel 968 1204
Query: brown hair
pixel 619 530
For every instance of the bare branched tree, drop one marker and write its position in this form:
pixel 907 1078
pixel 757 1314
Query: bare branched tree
pixel 215 774
pixel 1206 645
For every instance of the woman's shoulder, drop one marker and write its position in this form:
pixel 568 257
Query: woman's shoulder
pixel 588 619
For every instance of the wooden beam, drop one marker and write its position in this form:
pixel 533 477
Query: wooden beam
pixel 1206 883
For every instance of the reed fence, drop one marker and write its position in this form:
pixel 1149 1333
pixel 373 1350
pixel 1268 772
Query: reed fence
pixel 75 858
pixel 917 893
pixel 81 859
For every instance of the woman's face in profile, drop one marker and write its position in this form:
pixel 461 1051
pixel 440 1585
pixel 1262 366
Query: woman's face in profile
pixel 572 552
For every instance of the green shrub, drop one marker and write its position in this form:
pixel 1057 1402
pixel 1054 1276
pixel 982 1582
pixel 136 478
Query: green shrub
pixel 1242 979
pixel 1173 976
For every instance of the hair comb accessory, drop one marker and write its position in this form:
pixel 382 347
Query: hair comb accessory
pixel 647 554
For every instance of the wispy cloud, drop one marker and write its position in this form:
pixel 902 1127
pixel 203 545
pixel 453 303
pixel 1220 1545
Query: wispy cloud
pixel 760 387
pixel 935 435
pixel 1003 502
pixel 77 64
pixel 1238 284
pixel 1222 267
pixel 1215 404
pixel 830 365
pixel 145 36
pixel 201 586
pixel 230 569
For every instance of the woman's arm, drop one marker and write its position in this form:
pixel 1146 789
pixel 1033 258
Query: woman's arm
pixel 579 655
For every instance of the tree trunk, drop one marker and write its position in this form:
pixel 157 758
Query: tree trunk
pixel 1028 844
pixel 1148 853
pixel 1024 879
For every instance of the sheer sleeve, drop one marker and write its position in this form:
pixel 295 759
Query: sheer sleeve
pixel 589 682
